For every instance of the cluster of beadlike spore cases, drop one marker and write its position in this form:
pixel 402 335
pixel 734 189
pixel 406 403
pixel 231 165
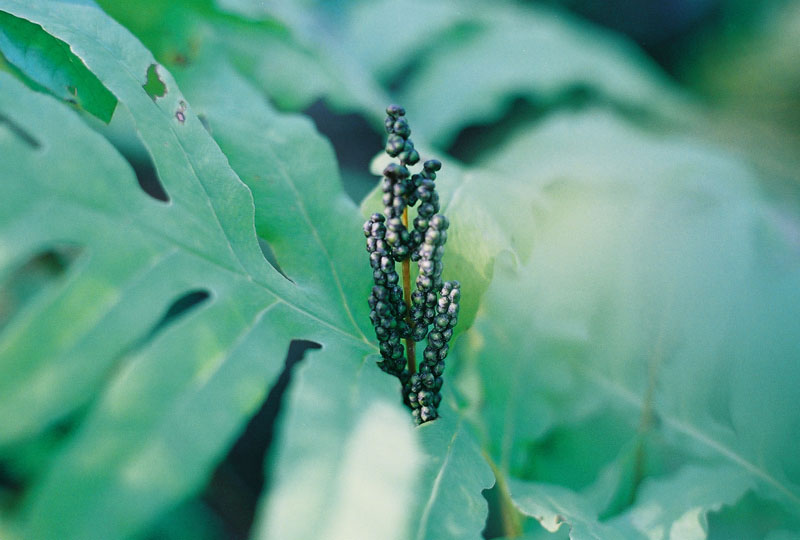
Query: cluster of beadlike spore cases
pixel 434 304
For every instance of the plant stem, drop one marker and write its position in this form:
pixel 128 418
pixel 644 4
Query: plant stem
pixel 410 344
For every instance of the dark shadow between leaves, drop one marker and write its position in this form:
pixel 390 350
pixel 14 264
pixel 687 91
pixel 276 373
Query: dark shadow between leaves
pixel 22 463
pixel 238 481
pixel 32 276
pixel 477 140
pixel 455 36
pixel 494 523
pixel 147 176
pixel 355 143
pixel 179 308
pixel 19 132
pixel 269 255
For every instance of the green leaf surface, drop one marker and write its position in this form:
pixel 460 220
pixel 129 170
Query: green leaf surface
pixel 645 296
pixel 483 219
pixel 468 60
pixel 554 506
pixel 280 48
pixel 631 370
pixel 677 507
pixel 450 504
pixel 321 426
pixel 156 404
pixel 50 63
pixel 671 508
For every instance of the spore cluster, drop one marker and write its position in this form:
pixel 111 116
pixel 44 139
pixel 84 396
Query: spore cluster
pixel 431 310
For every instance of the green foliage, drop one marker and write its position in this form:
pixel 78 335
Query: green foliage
pixel 626 358
pixel 48 62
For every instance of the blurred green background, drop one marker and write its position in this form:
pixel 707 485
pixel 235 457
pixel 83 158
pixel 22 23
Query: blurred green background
pixel 737 61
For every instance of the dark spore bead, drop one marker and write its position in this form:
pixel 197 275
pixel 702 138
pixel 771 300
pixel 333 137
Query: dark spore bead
pixel 432 165
pixel 419 333
pixel 393 171
pixel 411 157
pixel 395 110
pixel 401 128
pixel 433 235
pixel 438 369
pixel 426 210
pixel 394 145
pixel 426 414
pixel 440 222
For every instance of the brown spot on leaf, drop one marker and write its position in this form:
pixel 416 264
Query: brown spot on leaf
pixel 180 114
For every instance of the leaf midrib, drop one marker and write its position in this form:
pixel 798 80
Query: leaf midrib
pixel 625 394
pixel 307 218
pixel 423 522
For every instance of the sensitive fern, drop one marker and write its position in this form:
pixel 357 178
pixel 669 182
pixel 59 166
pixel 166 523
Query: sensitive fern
pixel 431 310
